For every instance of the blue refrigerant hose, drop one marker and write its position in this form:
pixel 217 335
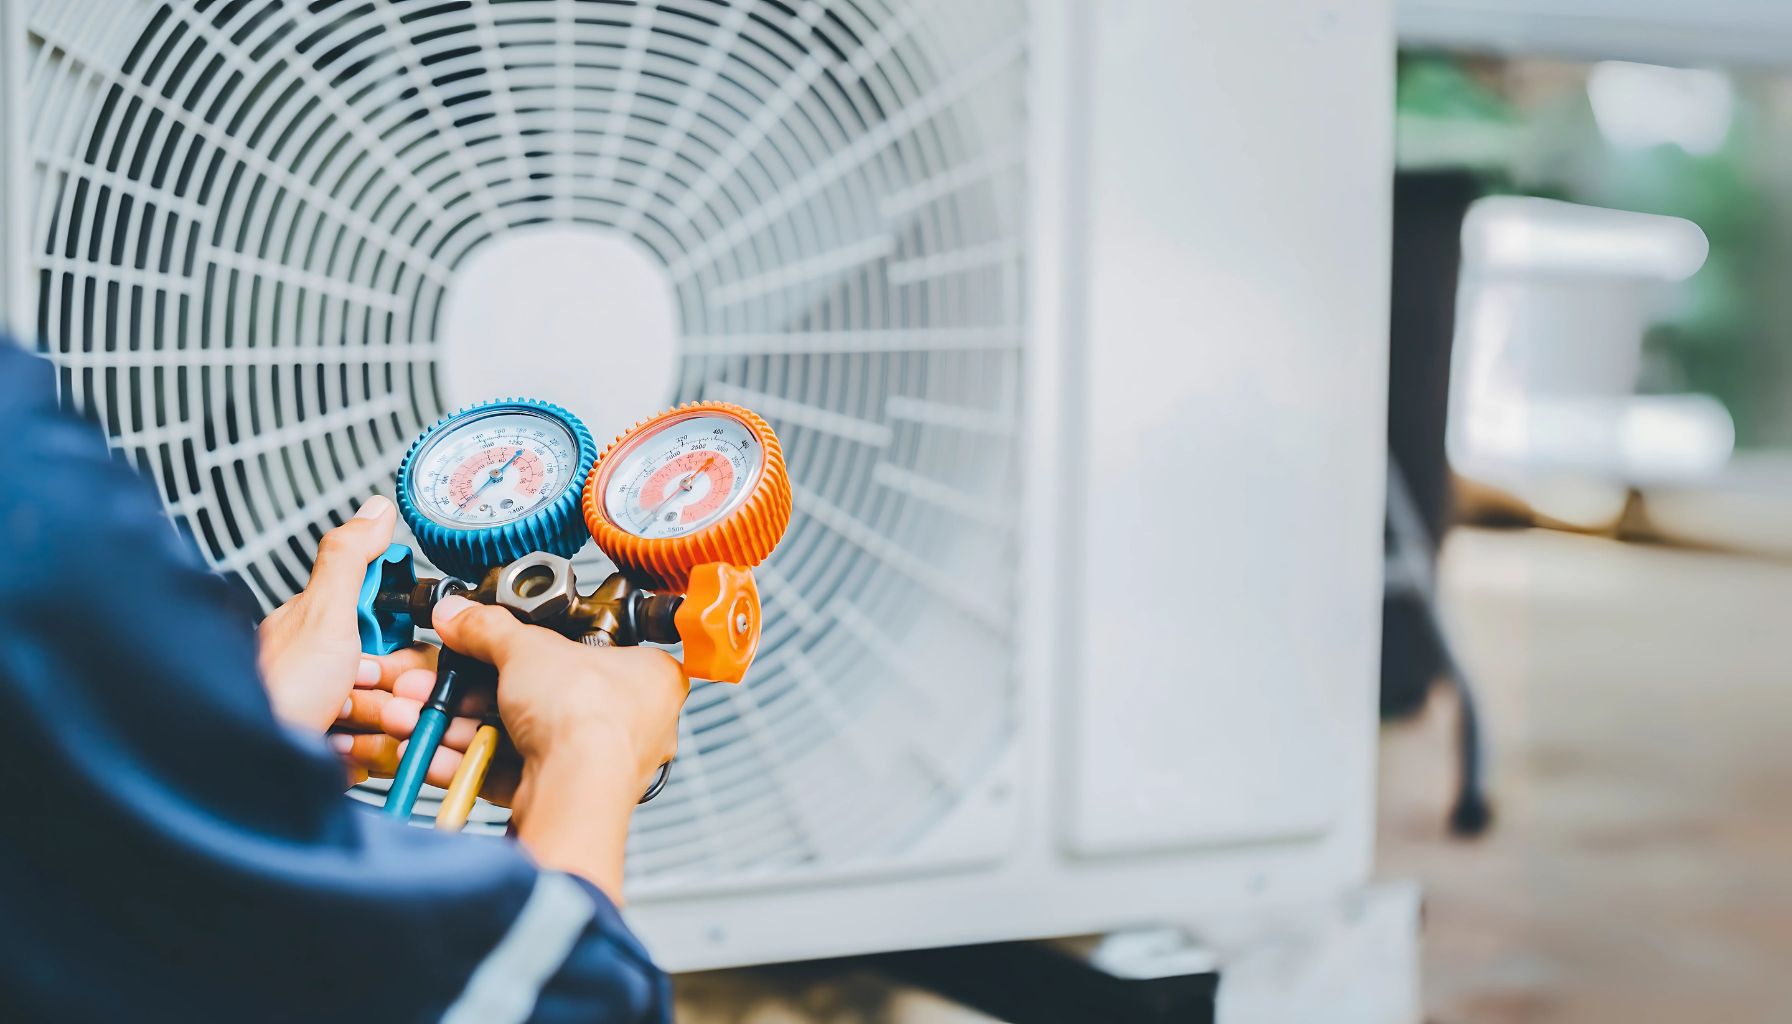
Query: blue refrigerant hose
pixel 432 722
pixel 408 782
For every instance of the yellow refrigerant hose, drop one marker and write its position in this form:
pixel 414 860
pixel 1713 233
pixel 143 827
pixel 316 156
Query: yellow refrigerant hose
pixel 468 779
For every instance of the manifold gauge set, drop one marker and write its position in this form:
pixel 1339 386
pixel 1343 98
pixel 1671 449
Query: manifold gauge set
pixel 500 495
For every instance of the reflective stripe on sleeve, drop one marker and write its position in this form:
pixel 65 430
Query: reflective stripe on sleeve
pixel 505 985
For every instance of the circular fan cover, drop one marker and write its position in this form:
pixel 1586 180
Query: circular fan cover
pixel 252 218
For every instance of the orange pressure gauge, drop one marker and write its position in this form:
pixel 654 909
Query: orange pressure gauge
pixel 704 482
pixel 688 502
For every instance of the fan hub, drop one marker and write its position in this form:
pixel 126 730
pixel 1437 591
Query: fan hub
pixel 578 315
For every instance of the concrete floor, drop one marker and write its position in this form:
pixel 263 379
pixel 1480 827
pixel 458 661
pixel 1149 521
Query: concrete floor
pixel 1640 700
pixel 1640 704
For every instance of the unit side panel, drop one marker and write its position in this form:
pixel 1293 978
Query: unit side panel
pixel 1233 400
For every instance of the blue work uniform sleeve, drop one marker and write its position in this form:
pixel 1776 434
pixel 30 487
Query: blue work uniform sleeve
pixel 172 852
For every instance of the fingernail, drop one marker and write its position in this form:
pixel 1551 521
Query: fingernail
pixel 368 672
pixel 348 707
pixel 373 507
pixel 449 608
pixel 342 742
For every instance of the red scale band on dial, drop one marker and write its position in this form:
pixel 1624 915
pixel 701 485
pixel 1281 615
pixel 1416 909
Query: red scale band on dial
pixel 720 481
pixel 475 471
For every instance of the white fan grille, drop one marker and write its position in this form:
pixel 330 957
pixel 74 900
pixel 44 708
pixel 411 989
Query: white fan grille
pixel 247 215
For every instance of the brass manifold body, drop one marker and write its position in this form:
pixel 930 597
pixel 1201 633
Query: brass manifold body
pixel 541 589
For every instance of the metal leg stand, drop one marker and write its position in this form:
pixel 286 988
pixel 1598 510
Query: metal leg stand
pixel 1411 575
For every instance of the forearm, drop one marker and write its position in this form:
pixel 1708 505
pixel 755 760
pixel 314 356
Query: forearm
pixel 574 807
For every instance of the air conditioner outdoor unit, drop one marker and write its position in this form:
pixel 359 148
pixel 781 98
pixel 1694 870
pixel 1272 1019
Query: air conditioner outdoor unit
pixel 1071 318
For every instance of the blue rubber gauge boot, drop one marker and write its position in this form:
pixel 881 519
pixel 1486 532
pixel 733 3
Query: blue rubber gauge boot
pixel 495 481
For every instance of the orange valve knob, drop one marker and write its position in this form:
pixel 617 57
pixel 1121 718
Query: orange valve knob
pixel 719 622
pixel 704 482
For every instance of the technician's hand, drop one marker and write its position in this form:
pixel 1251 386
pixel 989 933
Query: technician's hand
pixel 356 734
pixel 385 714
pixel 556 695
pixel 591 725
pixel 309 649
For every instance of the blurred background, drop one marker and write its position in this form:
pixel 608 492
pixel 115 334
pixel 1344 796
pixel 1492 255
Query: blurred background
pixel 1593 207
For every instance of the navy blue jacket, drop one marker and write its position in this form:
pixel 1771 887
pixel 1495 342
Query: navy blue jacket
pixel 168 851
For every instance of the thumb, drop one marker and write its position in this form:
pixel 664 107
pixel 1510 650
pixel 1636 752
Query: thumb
pixel 483 631
pixel 344 552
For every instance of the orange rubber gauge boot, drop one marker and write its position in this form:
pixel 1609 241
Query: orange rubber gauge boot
pixel 697 485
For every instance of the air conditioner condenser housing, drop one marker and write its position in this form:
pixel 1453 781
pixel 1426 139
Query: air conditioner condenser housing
pixel 1072 318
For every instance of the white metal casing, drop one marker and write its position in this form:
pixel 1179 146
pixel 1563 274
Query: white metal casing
pixel 1200 723
pixel 1196 617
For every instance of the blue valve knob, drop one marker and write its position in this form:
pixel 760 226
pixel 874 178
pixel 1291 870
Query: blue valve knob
pixel 384 630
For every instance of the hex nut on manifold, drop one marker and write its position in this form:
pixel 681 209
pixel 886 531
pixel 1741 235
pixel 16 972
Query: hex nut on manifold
pixel 537 586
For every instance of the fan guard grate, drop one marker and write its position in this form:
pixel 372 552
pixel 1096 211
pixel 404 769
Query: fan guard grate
pixel 247 214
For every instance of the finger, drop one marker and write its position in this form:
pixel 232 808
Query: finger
pixel 460 733
pixel 415 684
pixel 441 764
pixel 482 631
pixel 398 718
pixel 377 754
pixel 356 776
pixel 367 672
pixel 374 753
pixel 344 552
pixel 361 711
pixel 442 767
pixel 387 668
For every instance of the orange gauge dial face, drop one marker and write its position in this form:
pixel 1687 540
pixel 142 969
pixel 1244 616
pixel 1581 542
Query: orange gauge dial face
pixel 701 483
pixel 682 476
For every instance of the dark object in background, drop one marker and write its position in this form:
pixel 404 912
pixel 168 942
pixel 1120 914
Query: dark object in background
pixel 1039 983
pixel 1427 257
pixel 1411 581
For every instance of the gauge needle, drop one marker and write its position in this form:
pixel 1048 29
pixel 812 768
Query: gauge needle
pixel 491 478
pixel 684 487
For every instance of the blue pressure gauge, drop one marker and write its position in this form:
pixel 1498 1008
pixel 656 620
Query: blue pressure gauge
pixel 495 481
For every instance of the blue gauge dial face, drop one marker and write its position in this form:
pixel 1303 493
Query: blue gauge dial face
pixel 493 467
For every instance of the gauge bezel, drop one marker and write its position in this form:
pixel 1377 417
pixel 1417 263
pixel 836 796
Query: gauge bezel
pixel 635 440
pixel 455 425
